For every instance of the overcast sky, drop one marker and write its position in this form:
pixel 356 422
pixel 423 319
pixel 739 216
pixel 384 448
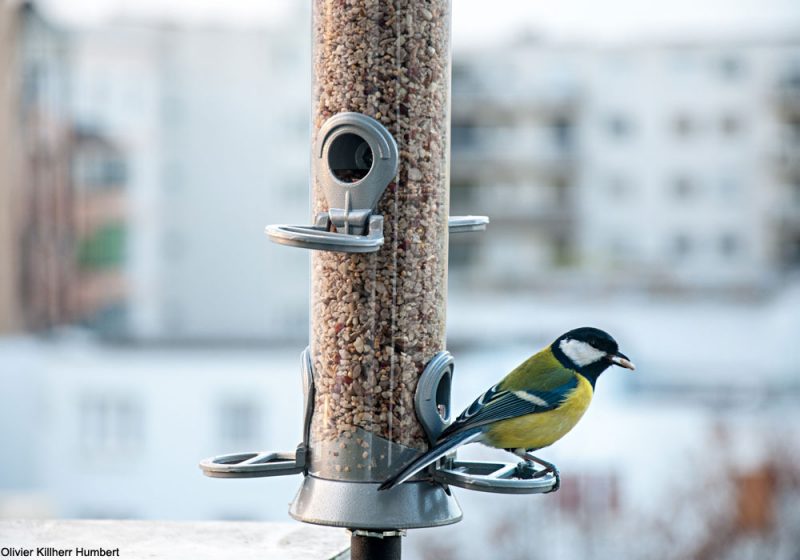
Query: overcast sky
pixel 475 21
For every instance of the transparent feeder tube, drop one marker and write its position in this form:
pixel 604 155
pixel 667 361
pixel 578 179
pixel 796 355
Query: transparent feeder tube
pixel 378 318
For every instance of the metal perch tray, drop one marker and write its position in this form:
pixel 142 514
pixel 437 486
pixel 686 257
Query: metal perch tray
pixel 254 464
pixel 496 477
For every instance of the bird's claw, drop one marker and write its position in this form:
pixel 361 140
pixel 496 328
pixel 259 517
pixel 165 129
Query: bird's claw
pixel 527 470
pixel 557 484
pixel 556 474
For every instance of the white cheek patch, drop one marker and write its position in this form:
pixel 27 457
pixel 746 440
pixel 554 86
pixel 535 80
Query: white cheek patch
pixel 581 353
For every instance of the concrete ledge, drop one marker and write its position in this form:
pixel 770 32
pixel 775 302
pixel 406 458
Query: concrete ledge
pixel 140 540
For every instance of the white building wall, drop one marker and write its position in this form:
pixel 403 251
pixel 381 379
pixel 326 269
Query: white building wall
pixel 237 159
pixel 649 189
pixel 517 167
pixel 215 124
pixel 116 91
pixel 675 160
pixel 111 433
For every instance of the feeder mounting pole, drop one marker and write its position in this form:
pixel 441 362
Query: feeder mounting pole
pixel 370 545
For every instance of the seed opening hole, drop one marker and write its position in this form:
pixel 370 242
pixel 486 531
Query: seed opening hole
pixel 349 158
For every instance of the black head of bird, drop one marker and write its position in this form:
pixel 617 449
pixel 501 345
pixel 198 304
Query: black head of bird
pixel 589 351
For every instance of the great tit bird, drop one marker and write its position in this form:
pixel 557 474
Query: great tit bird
pixel 533 406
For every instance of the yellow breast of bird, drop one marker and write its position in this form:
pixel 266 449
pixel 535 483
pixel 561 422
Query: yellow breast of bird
pixel 534 431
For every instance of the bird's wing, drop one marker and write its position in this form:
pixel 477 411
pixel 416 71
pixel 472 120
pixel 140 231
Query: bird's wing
pixel 438 451
pixel 501 404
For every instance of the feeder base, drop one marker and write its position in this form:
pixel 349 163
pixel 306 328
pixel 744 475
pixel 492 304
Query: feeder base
pixel 359 505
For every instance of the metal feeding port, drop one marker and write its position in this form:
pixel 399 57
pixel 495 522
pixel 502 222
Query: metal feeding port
pixel 355 160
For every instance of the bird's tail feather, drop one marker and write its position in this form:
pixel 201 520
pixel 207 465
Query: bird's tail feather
pixel 438 451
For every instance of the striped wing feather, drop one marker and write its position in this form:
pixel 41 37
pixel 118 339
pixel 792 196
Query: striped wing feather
pixel 539 384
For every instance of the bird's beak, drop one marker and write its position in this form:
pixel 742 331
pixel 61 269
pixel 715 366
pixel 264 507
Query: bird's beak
pixel 622 360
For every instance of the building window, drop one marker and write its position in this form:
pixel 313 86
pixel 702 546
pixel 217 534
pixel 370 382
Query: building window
pixel 683 126
pixel 463 77
pixel 110 424
pixel 730 125
pixel 681 245
pixel 731 67
pixel 561 185
pixel 790 251
pixel 115 172
pixel 729 245
pixel 789 85
pixel 239 422
pixel 99 170
pixel 464 136
pixel 465 192
pixel 32 83
pixel 792 136
pixel 462 255
pixel 562 251
pixel 563 133
pixel 683 187
pixel 619 126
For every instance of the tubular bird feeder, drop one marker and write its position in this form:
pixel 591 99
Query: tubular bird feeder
pixel 376 374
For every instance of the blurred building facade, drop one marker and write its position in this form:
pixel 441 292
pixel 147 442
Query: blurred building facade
pixel 46 225
pixel 9 305
pixel 665 166
pixel 107 432
pixel 208 162
pixel 787 104
pixel 139 186
pixel 515 119
pixel 52 207
pixel 100 212
pixel 155 154
pixel 36 183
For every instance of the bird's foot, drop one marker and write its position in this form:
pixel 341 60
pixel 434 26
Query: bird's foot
pixel 557 476
pixel 549 468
